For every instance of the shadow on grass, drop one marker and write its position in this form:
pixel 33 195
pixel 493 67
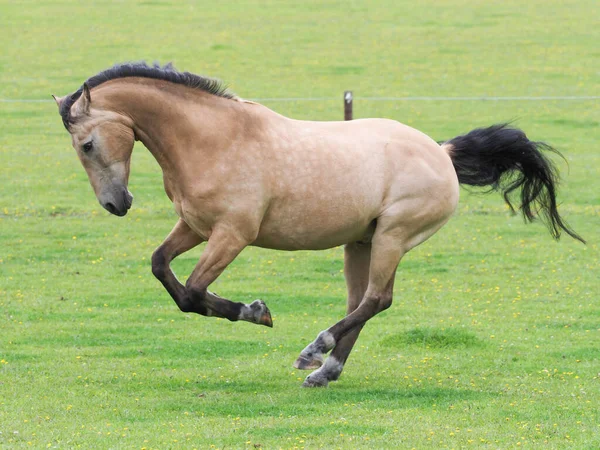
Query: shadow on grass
pixel 588 354
pixel 435 338
pixel 325 428
pixel 197 351
pixel 256 399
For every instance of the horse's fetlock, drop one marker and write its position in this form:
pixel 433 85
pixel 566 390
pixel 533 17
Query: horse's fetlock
pixel 325 341
pixel 332 368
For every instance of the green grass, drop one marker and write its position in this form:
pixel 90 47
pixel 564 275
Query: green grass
pixel 493 340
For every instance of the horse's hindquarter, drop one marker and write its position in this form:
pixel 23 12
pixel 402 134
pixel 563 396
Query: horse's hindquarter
pixel 328 181
pixel 423 190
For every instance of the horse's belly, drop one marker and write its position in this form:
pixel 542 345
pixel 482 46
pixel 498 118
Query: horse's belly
pixel 314 228
pixel 324 198
pixel 307 240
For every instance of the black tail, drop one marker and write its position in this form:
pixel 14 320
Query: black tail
pixel 503 158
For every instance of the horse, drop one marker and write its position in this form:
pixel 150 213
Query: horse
pixel 239 174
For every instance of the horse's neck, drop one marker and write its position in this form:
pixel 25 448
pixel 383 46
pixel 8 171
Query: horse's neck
pixel 171 125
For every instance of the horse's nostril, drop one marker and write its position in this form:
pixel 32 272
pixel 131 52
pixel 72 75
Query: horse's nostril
pixel 128 199
pixel 110 208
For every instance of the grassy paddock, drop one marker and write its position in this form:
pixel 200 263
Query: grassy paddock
pixel 493 339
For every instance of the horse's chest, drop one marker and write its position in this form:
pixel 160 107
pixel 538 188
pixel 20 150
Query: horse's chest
pixel 178 208
pixel 201 223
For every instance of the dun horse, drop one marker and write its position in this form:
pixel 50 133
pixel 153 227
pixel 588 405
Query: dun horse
pixel 240 174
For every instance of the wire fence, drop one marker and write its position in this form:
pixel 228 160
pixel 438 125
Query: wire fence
pixel 383 99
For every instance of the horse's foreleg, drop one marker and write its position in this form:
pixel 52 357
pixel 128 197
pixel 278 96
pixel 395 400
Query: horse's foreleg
pixel 357 257
pixel 385 256
pixel 180 240
pixel 220 251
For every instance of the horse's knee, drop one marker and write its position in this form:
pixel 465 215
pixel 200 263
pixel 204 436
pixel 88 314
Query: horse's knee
pixel 159 263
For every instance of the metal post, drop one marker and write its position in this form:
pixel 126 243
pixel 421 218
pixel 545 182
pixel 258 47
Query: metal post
pixel 348 105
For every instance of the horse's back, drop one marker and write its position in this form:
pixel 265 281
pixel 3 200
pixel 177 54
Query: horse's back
pixel 387 160
pixel 329 181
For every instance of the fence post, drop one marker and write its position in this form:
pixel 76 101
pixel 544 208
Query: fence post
pixel 348 105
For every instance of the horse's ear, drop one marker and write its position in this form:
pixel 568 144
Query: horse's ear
pixel 58 100
pixel 81 107
pixel 86 98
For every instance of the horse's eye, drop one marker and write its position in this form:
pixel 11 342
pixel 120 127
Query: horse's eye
pixel 87 146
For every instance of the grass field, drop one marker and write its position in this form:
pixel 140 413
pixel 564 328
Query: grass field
pixel 493 340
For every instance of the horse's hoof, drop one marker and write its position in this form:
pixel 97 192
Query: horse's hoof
pixel 304 363
pixel 261 314
pixel 315 380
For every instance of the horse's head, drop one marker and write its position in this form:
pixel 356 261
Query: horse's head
pixel 103 140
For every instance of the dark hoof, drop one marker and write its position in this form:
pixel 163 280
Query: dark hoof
pixel 304 363
pixel 315 380
pixel 261 314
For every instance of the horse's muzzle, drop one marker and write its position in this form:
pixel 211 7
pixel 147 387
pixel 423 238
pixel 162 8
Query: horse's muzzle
pixel 118 204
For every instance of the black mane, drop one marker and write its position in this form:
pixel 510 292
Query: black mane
pixel 141 69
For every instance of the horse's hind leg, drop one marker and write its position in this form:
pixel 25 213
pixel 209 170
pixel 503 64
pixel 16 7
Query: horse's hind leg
pixel 387 250
pixel 357 257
